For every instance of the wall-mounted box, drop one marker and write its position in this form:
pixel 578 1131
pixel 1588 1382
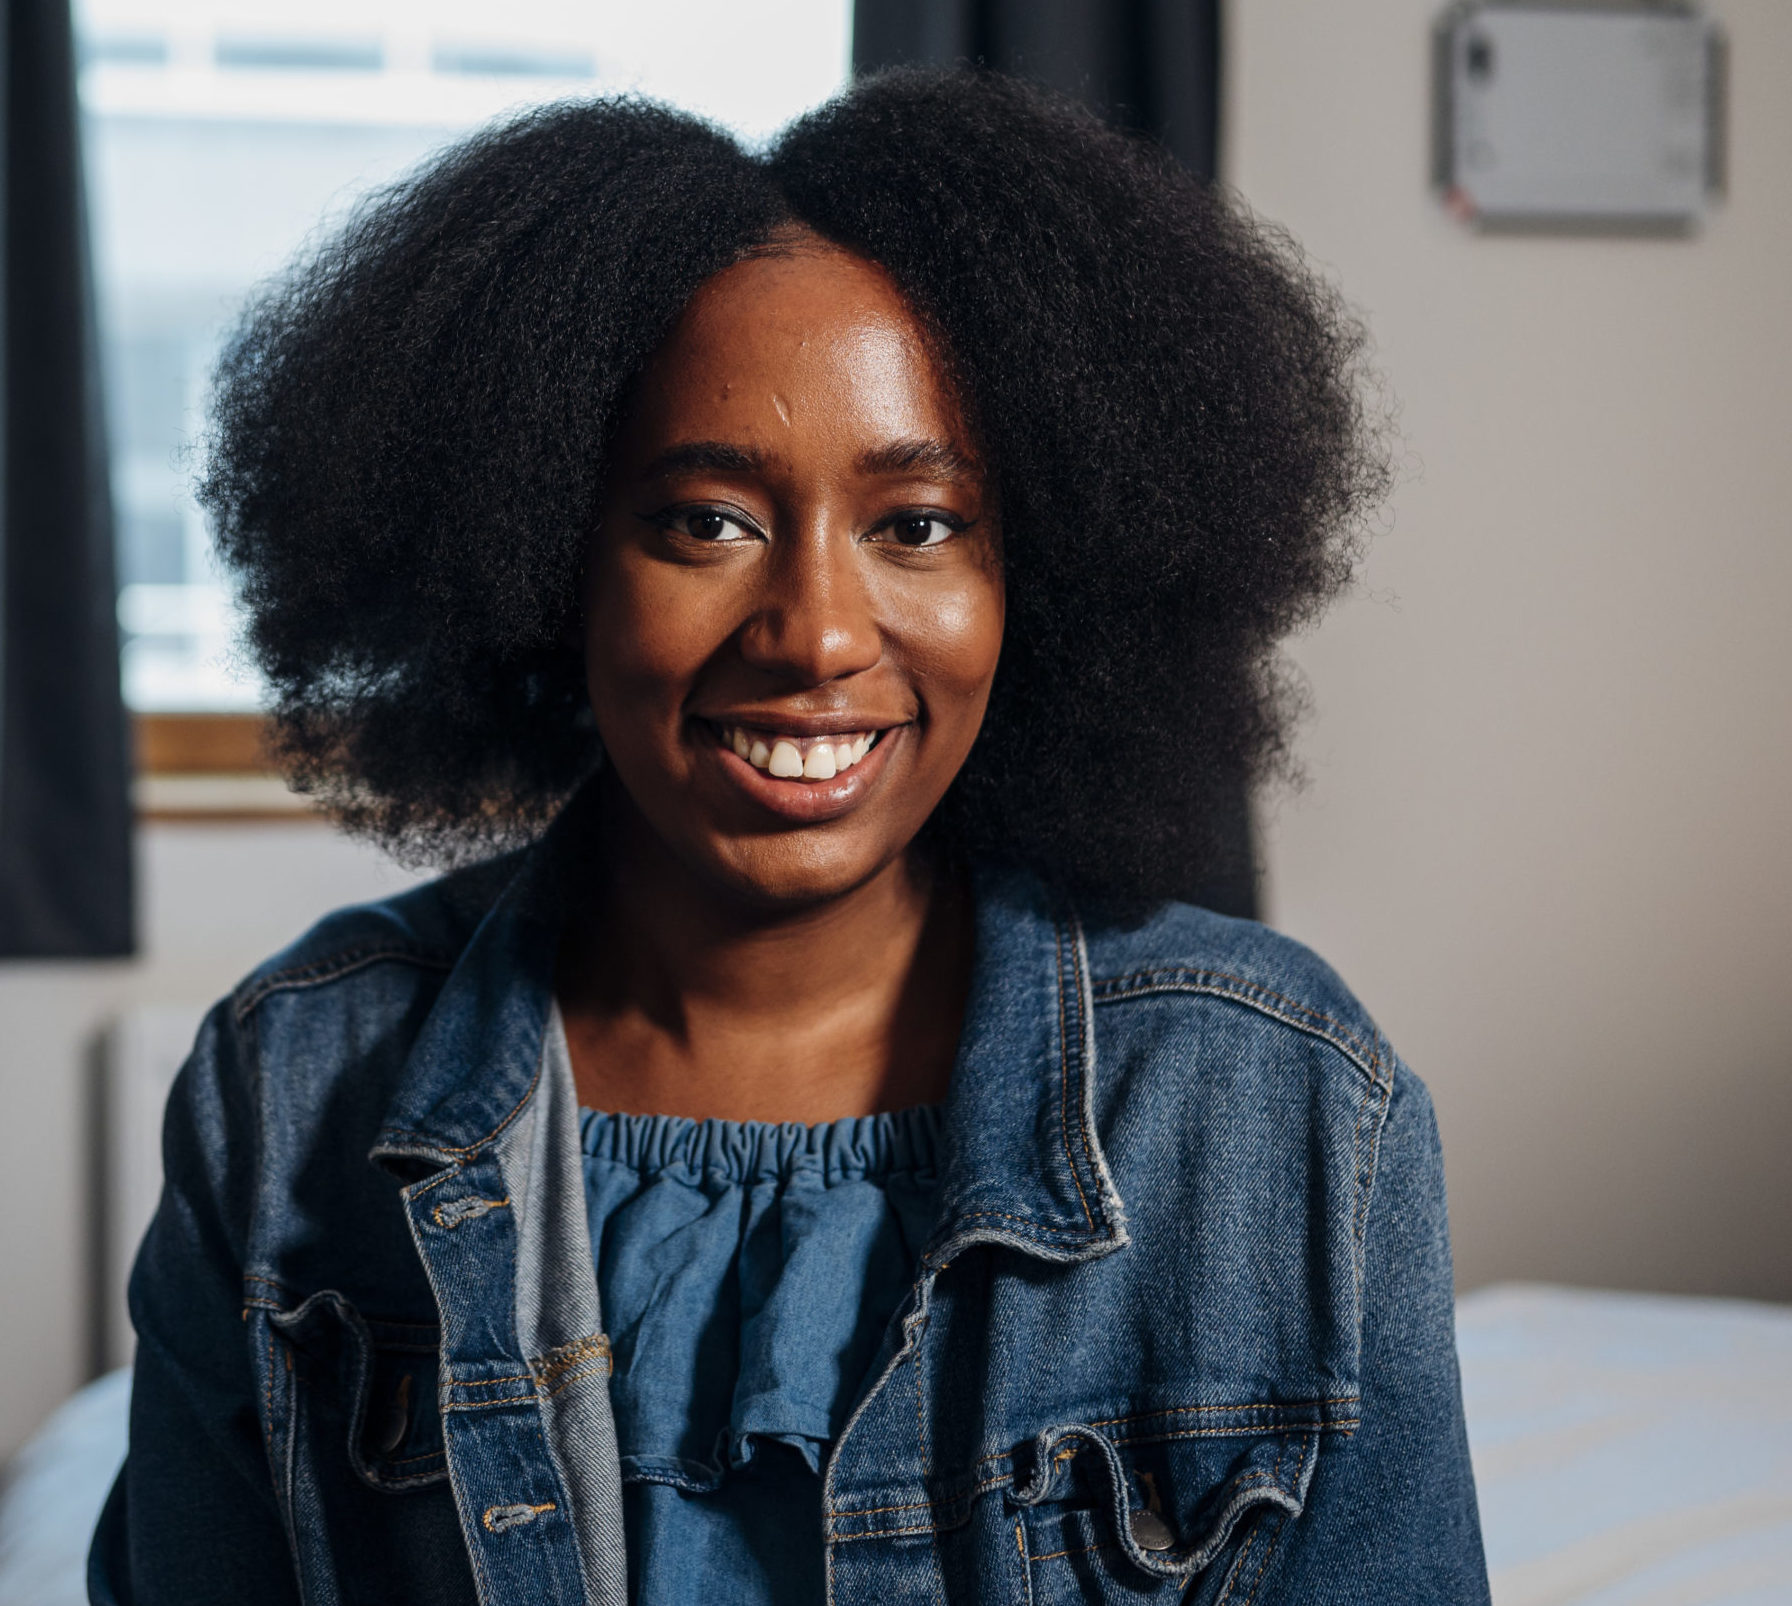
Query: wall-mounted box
pixel 1603 116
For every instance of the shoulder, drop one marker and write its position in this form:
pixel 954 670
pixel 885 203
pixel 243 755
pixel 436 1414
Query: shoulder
pixel 396 944
pixel 1278 985
pixel 317 1037
pixel 1257 1125
pixel 1224 1037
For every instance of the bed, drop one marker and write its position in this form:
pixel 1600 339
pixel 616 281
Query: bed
pixel 1630 1450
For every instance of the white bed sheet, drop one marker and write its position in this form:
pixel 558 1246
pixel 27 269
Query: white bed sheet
pixel 53 1492
pixel 1630 1450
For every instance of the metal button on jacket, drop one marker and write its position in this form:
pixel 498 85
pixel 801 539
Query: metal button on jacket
pixel 1150 1531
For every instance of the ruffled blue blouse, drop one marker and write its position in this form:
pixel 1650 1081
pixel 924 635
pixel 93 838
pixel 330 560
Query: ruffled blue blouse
pixel 748 1271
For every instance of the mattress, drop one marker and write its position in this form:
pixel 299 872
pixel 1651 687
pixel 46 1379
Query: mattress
pixel 1629 1449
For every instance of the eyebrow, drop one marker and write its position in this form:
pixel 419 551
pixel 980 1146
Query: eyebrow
pixel 927 459
pixel 930 459
pixel 714 457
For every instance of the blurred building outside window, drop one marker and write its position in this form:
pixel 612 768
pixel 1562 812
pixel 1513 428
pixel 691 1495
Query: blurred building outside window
pixel 220 137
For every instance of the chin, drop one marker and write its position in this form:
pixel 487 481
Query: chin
pixel 788 873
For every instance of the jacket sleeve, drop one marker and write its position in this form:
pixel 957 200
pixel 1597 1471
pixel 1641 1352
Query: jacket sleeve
pixel 1391 1516
pixel 193 1518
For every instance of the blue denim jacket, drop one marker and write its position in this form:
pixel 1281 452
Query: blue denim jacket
pixel 1183 1330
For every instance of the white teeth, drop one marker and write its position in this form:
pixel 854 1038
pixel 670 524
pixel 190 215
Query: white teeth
pixel 817 758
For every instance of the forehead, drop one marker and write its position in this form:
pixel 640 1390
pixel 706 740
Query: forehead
pixel 812 340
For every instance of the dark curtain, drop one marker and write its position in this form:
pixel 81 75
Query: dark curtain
pixel 1148 65
pixel 1151 65
pixel 65 819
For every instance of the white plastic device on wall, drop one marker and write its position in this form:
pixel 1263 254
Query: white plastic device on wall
pixel 1578 115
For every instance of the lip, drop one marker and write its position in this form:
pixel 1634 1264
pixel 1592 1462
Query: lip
pixel 803 802
pixel 779 722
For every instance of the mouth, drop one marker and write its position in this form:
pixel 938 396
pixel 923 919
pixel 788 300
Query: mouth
pixel 802 777
pixel 786 756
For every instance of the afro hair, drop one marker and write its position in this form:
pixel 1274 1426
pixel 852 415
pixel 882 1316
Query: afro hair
pixel 410 432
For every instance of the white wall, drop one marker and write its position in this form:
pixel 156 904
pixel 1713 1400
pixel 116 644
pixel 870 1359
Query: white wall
pixel 213 902
pixel 1547 836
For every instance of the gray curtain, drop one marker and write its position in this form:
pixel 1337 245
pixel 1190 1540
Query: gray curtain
pixel 1148 65
pixel 65 817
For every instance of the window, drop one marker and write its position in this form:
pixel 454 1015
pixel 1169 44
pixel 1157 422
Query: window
pixel 220 135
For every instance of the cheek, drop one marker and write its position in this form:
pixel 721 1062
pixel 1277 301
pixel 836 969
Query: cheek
pixel 649 629
pixel 957 646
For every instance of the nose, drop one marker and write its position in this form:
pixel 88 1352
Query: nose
pixel 814 621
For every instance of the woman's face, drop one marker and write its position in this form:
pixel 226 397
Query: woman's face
pixel 793 604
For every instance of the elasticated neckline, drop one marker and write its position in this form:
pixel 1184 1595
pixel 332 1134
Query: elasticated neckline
pixel 867 1148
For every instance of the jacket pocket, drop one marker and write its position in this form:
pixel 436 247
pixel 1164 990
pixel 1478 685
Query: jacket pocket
pixel 1155 1511
pixel 362 1468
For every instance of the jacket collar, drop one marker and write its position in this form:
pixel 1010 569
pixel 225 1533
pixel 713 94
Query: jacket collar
pixel 1021 1161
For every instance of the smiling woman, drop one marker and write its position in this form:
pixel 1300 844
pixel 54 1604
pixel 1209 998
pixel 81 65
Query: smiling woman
pixel 823 1161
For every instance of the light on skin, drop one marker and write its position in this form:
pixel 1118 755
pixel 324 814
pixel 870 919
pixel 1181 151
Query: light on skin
pixel 798 537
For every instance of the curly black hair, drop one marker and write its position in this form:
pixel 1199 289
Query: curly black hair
pixel 410 434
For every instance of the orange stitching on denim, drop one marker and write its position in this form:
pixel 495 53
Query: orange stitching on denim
pixel 927 1505
pixel 1206 1410
pixel 886 1533
pixel 1250 1539
pixel 498 1519
pixel 1064 1078
pixel 267 1431
pixel 1074 1550
pixel 406 1460
pixel 1237 1567
pixel 1269 1549
pixel 1142 983
pixel 1306 1429
pixel 329 969
pixel 486 1405
pixel 1344 1425
pixel 469 1207
pixel 490 1137
pixel 1135 978
pixel 489 1382
pixel 417 1190
pixel 1367 1056
pixel 597 1369
pixel 548 1366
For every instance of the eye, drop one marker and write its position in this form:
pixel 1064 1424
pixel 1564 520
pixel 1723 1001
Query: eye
pixel 712 525
pixel 922 529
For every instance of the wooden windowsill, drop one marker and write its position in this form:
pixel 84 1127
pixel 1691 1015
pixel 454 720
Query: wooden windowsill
pixel 210 768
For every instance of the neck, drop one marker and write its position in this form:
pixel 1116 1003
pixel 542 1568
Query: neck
pixel 680 1000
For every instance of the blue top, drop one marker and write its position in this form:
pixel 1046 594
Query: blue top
pixel 747 1273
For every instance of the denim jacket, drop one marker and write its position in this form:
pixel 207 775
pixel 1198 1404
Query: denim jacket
pixel 1183 1330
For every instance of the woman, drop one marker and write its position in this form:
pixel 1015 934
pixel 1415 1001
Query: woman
pixel 826 1162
